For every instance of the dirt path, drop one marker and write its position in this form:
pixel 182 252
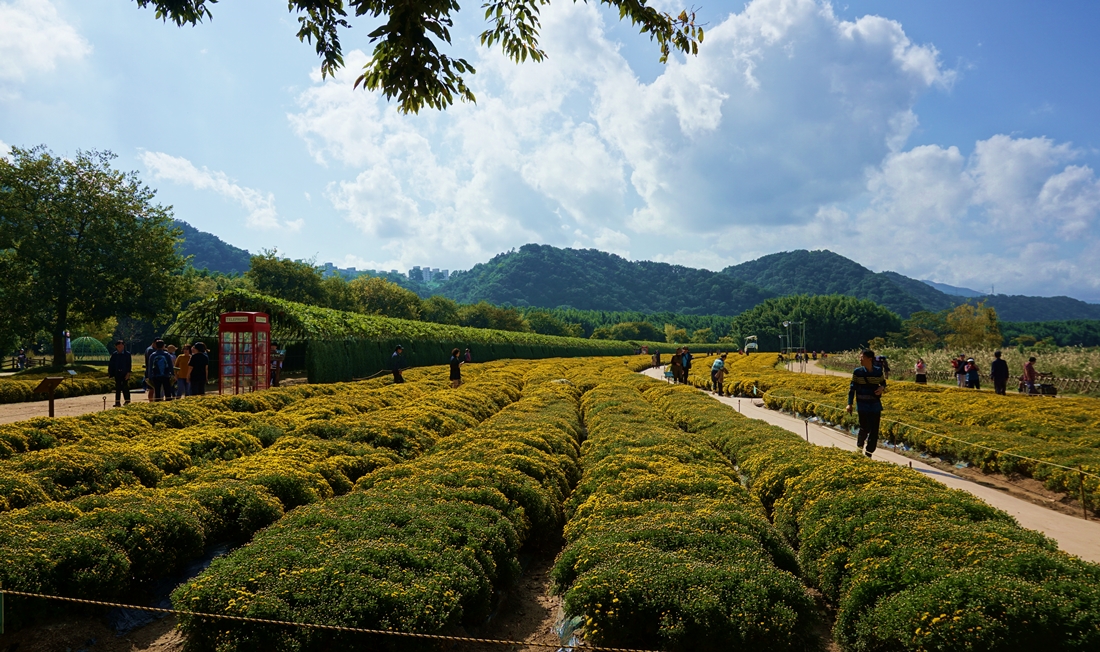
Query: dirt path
pixel 1073 534
pixel 63 407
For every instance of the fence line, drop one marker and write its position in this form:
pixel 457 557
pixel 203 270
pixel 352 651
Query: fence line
pixel 289 623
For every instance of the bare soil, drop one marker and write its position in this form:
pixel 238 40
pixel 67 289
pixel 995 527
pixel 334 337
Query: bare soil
pixel 86 634
pixel 527 612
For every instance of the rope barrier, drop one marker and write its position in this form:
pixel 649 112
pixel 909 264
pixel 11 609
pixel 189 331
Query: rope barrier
pixel 332 628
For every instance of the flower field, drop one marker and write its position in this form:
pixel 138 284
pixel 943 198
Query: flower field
pixel 408 507
pixel 1065 431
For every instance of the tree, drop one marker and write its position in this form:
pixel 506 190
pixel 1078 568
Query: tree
pixel 486 315
pixel 81 243
pixel 636 330
pixel 675 335
pixel 703 336
pixel 292 280
pixel 833 322
pixel 407 64
pixel 973 327
pixel 377 296
pixel 925 329
pixel 545 323
pixel 439 309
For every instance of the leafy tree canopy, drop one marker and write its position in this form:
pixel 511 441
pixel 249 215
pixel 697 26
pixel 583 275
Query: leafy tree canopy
pixel 376 296
pixel 407 64
pixel 292 280
pixel 833 322
pixel 80 242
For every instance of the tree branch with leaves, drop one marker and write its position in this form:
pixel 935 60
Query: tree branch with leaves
pixel 407 64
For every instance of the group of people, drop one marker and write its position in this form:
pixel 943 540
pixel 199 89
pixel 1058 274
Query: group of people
pixel 168 372
pixel 458 358
pixel 680 364
pixel 968 373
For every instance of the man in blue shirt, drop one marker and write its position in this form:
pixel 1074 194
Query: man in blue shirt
pixel 868 384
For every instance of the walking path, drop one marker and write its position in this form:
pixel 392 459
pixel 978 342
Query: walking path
pixel 62 407
pixel 1073 534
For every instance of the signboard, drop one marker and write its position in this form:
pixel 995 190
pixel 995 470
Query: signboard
pixel 237 320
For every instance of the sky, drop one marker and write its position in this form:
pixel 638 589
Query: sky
pixel 950 141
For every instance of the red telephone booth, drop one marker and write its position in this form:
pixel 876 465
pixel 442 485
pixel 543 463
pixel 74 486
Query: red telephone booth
pixel 243 348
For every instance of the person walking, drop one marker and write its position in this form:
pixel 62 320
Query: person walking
pixel 959 364
pixel 676 365
pixel 973 378
pixel 867 387
pixel 687 363
pixel 275 365
pixel 183 371
pixel 199 363
pixel 161 368
pixel 998 372
pixel 456 368
pixel 1030 375
pixel 397 364
pixel 920 371
pixel 468 356
pixel 719 364
pixel 119 367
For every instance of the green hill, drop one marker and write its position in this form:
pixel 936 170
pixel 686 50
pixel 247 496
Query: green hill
pixel 587 279
pixel 211 252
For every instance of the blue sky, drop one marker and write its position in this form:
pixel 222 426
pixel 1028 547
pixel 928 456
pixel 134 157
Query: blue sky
pixel 944 140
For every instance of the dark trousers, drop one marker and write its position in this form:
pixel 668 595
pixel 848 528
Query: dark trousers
pixel 1000 385
pixel 397 377
pixel 197 386
pixel 162 387
pixel 868 430
pixel 122 389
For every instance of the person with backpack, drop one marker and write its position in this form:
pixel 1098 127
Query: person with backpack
pixel 687 363
pixel 161 370
pixel 199 363
pixel 119 368
pixel 866 389
pixel 183 371
pixel 998 372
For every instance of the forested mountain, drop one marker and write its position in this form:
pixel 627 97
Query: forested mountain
pixel 823 272
pixel 587 279
pixel 211 252
pixel 1021 308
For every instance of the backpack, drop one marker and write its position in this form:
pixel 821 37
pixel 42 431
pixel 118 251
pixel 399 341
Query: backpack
pixel 160 365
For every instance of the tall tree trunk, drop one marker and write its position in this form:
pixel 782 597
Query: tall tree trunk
pixel 59 334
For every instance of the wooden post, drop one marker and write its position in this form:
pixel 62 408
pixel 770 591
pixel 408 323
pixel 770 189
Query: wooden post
pixel 807 430
pixel 47 387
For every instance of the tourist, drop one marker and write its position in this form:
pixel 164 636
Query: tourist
pixel 687 363
pixel 170 388
pixel 183 371
pixel 885 366
pixel 397 364
pixel 1030 375
pixel 199 364
pixel 719 379
pixel 921 372
pixel 719 364
pixel 959 365
pixel 973 379
pixel 468 356
pixel 274 365
pixel 867 387
pixel 146 381
pixel 456 368
pixel 676 366
pixel 998 372
pixel 161 368
pixel 119 368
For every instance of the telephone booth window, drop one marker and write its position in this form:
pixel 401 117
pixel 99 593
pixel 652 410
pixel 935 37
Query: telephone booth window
pixel 243 352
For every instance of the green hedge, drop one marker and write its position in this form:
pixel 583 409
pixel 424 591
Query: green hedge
pixel 344 360
pixel 16 390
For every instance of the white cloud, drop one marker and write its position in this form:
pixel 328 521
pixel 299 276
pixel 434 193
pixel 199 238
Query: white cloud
pixel 788 130
pixel 5 150
pixel 260 206
pixel 35 39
